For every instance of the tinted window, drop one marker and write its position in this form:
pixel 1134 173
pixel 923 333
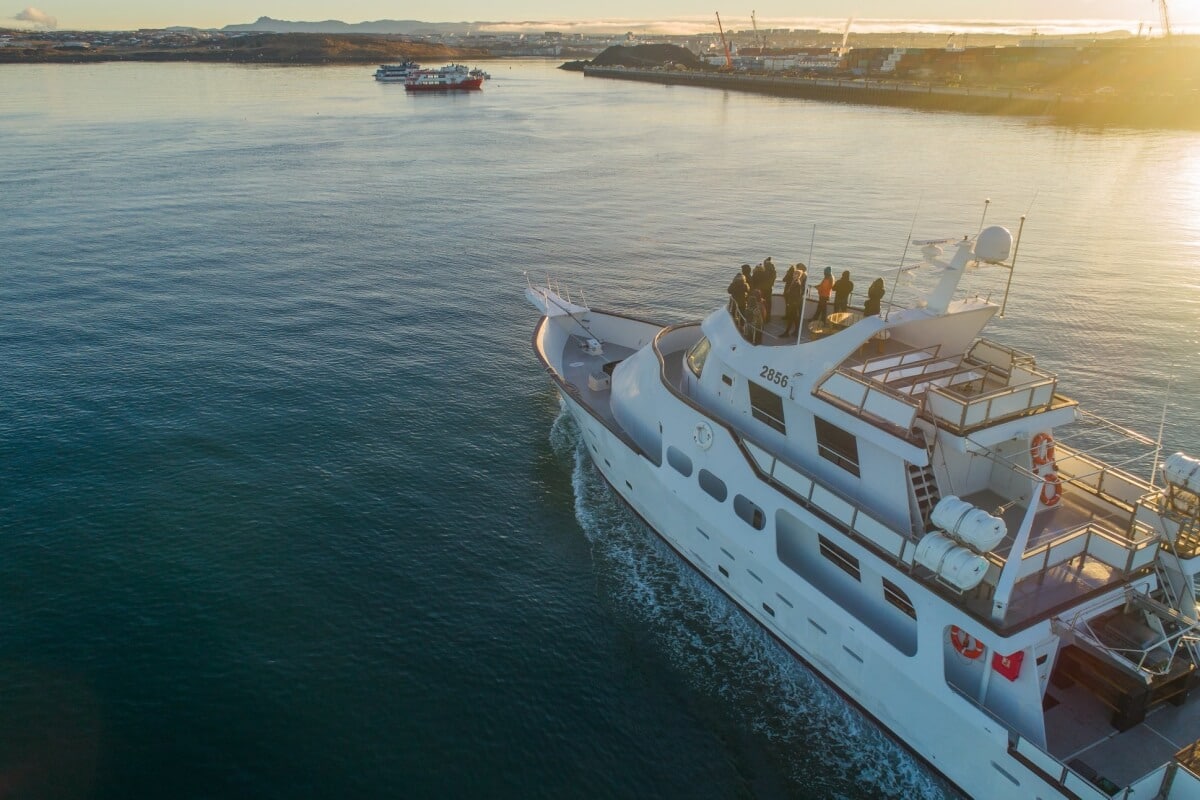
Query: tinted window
pixel 749 512
pixel 679 460
pixel 713 485
pixel 766 406
pixel 697 355
pixel 840 557
pixel 837 445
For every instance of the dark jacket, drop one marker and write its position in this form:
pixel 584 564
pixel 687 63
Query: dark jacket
pixel 738 290
pixel 842 288
pixel 874 298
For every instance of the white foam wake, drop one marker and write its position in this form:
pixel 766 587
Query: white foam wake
pixel 723 653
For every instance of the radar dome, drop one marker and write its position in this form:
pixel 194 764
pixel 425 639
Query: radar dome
pixel 993 244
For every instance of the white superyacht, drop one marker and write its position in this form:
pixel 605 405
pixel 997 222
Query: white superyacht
pixel 917 513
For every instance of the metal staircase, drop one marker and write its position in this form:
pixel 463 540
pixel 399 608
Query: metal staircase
pixel 924 491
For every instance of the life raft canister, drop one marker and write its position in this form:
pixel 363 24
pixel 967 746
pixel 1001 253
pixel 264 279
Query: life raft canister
pixel 966 644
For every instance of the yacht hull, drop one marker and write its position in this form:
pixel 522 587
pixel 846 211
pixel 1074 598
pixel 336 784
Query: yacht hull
pixel 943 730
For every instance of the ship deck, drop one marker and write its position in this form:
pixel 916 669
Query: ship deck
pixel 1059 583
pixel 578 364
pixel 1079 733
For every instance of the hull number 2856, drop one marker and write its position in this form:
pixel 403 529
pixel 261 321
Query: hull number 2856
pixel 773 375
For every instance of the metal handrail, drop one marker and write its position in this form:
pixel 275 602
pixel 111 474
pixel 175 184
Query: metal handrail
pixel 991 397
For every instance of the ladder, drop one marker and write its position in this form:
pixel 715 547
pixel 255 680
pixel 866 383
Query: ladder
pixel 924 491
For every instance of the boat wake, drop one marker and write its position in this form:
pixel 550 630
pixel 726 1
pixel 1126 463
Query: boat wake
pixel 825 744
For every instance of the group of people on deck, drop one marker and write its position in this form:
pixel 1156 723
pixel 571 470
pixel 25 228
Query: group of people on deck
pixel 751 290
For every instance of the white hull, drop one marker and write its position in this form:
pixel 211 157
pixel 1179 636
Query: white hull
pixel 1021 642
pixel 949 733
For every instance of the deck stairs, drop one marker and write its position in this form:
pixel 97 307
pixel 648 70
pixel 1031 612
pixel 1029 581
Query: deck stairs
pixel 1178 614
pixel 1138 655
pixel 924 492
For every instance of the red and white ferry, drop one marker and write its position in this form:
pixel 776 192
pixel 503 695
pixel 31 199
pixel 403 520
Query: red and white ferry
pixel 449 78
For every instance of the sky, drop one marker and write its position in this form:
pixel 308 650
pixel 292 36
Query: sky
pixel 1082 15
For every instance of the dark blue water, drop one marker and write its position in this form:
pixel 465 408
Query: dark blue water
pixel 286 507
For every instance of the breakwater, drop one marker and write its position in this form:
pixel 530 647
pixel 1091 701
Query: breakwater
pixel 1151 111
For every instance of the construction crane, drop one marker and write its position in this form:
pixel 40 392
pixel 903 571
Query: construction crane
pixel 728 58
pixel 843 50
pixel 1164 19
pixel 757 40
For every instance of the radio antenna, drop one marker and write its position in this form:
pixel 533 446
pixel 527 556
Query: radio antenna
pixel 804 295
pixel 1012 265
pixel 1162 423
pixel 986 202
pixel 907 240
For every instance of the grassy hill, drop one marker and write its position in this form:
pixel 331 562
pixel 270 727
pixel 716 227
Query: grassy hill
pixel 261 48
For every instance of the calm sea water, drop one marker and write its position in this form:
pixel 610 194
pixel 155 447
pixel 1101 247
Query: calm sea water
pixel 286 506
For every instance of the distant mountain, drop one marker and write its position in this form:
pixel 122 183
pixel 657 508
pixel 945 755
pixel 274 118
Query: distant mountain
pixel 405 26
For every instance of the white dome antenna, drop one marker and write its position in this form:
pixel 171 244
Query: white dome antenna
pixel 993 245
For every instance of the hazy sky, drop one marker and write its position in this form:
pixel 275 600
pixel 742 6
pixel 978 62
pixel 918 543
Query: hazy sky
pixel 126 14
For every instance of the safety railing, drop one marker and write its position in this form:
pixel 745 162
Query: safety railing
pixel 1124 553
pixel 961 414
pixel 1103 480
pixel 866 397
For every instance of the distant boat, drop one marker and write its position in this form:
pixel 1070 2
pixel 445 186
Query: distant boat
pixel 454 77
pixel 396 73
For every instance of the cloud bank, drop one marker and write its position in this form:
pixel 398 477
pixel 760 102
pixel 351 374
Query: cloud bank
pixel 37 17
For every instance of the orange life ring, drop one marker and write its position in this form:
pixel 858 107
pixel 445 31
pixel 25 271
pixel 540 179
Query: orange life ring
pixel 1051 489
pixel 1041 449
pixel 966 644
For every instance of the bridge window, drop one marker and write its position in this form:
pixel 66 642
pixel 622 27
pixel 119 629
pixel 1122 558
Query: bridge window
pixel 766 406
pixel 697 354
pixel 837 445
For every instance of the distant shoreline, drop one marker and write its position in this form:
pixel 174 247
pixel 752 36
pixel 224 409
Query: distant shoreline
pixel 1075 109
pixel 279 49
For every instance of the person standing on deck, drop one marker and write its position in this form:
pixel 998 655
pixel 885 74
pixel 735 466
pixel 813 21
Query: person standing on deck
pixel 841 292
pixel 754 317
pixel 739 290
pixel 874 298
pixel 768 287
pixel 793 298
pixel 824 289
